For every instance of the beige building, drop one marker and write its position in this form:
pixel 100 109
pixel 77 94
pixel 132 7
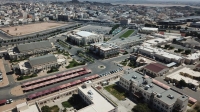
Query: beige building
pixel 155 69
pixel 84 37
pixel 36 64
pixel 105 50
pixel 156 94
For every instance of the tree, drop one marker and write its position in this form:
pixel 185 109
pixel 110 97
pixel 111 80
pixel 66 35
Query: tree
pixel 182 83
pixel 187 52
pixel 45 109
pixel 141 108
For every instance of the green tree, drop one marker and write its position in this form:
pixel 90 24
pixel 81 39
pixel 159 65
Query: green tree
pixel 141 108
pixel 182 83
pixel 45 109
pixel 187 52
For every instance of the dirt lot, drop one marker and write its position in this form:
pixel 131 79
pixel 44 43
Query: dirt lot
pixel 30 28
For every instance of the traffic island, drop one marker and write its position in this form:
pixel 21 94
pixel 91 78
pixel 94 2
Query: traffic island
pixel 101 67
pixel 16 91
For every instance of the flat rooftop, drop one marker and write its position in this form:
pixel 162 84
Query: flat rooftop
pixel 106 46
pixel 84 33
pixel 100 104
pixel 179 77
pixel 96 29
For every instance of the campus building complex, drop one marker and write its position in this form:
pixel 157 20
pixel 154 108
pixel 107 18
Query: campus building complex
pixel 28 49
pixel 97 102
pixel 160 96
pixel 105 50
pixel 36 64
pixel 84 37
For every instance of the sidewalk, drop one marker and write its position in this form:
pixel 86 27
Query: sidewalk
pixel 5 81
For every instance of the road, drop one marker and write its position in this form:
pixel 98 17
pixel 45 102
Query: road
pixel 110 65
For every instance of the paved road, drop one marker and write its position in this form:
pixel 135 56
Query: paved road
pixel 5 91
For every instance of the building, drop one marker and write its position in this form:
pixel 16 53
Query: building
pixel 37 64
pixel 105 50
pixel 24 107
pixel 189 76
pixel 148 30
pixel 97 101
pixel 197 67
pixel 84 37
pixel 155 69
pixel 160 54
pixel 29 49
pixel 156 94
pixel 63 18
pixel 125 21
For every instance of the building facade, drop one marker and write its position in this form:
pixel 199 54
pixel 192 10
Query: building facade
pixel 84 37
pixel 156 94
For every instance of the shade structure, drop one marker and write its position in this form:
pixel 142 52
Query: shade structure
pixel 31 96
pixel 62 86
pixel 57 88
pixel 46 91
pixel 39 94
pixel 84 79
pixel 68 84
pixel 52 89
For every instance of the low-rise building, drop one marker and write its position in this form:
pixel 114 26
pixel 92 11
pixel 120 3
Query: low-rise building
pixel 148 30
pixel 84 37
pixel 125 21
pixel 158 95
pixel 36 64
pixel 29 49
pixel 155 69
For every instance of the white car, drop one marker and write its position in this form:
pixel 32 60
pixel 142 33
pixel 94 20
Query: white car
pixel 11 100
pixel 7 101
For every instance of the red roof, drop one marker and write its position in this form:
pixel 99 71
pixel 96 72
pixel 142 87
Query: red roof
pixel 155 67
pixel 2 102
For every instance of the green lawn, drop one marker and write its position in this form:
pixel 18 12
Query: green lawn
pixel 73 63
pixel 23 77
pixel 127 34
pixel 116 91
pixel 66 104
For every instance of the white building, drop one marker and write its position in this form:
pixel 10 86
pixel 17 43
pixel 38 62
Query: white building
pixel 149 30
pixel 84 37
pixel 97 102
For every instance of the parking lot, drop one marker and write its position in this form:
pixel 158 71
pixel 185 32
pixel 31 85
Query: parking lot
pixel 96 29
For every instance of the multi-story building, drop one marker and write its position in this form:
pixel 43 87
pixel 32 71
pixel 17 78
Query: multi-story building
pixel 158 95
pixel 125 21
pixel 105 50
pixel 40 63
pixel 33 48
pixel 84 37
pixel 96 101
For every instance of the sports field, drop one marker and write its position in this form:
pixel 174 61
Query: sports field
pixel 127 34
pixel 30 28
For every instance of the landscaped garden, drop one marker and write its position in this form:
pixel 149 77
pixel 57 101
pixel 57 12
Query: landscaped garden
pixel 116 91
pixel 75 101
pixel 23 77
pixel 74 63
pixel 54 108
pixel 127 34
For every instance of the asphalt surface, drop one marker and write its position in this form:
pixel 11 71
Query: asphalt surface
pixel 110 65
